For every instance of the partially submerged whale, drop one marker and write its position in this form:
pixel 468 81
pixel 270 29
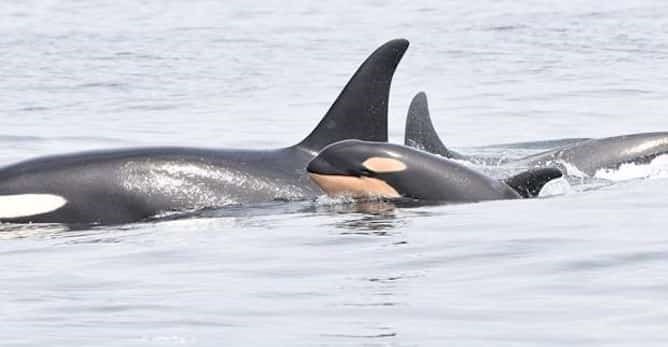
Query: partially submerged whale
pixel 127 185
pixel 586 155
pixel 590 156
pixel 367 169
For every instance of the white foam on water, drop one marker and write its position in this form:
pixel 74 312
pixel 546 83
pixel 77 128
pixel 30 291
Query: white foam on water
pixel 657 168
pixel 26 205
pixel 326 200
pixel 559 186
pixel 571 169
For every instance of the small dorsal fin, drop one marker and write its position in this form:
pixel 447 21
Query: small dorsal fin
pixel 529 183
pixel 420 132
pixel 360 111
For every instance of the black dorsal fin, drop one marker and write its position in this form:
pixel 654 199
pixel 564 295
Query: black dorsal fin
pixel 420 132
pixel 529 183
pixel 360 111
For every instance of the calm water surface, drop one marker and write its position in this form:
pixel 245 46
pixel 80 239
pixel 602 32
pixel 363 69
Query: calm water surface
pixel 584 267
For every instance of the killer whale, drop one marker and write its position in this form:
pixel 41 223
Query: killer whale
pixel 587 155
pixel 590 156
pixel 128 185
pixel 365 169
pixel 421 134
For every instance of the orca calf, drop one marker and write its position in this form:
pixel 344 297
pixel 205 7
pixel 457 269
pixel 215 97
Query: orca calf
pixel 587 155
pixel 128 185
pixel 367 169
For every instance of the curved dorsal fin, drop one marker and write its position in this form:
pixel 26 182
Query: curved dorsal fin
pixel 529 183
pixel 420 132
pixel 360 111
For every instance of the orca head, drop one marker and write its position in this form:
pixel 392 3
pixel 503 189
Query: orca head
pixel 358 169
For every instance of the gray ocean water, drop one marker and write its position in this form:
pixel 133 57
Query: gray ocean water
pixel 583 267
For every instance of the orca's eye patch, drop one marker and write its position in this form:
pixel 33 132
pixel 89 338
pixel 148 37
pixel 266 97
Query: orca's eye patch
pixel 384 165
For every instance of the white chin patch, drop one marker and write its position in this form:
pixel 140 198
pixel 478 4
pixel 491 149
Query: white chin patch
pixel 26 205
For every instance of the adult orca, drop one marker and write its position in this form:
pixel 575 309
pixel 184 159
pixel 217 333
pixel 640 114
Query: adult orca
pixel 421 134
pixel 366 169
pixel 584 154
pixel 128 185
pixel 590 156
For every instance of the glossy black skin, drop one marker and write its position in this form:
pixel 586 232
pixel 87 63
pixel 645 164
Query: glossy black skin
pixel 128 185
pixel 426 177
pixel 109 187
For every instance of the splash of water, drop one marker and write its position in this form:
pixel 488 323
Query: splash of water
pixel 571 169
pixel 559 186
pixel 326 200
pixel 657 168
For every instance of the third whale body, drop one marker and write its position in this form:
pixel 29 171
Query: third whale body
pixel 586 155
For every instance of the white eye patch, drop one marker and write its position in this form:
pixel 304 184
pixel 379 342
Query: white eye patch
pixel 384 165
pixel 25 205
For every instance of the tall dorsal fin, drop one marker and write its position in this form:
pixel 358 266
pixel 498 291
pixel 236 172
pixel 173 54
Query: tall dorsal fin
pixel 529 183
pixel 360 111
pixel 420 132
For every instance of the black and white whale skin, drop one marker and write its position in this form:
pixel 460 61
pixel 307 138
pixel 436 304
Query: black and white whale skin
pixel 366 169
pixel 587 155
pixel 128 185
